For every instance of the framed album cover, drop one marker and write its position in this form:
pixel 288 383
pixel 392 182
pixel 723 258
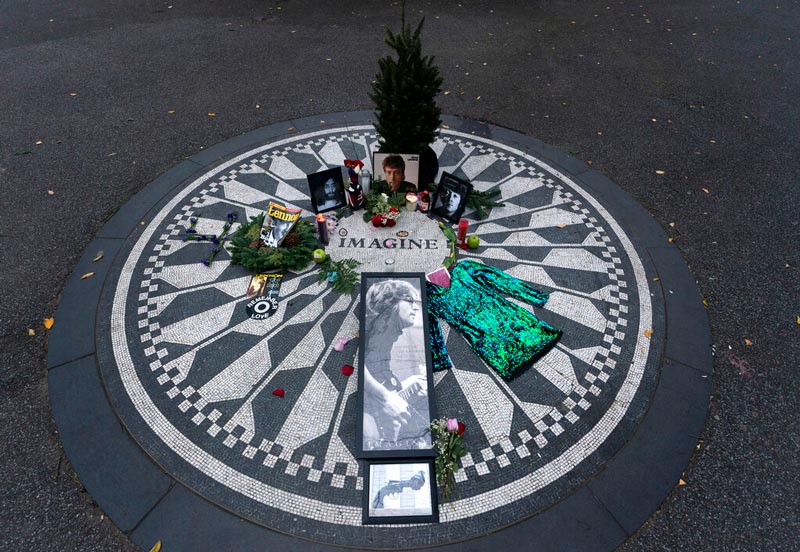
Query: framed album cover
pixel 395 381
pixel 396 172
pixel 400 491
pixel 327 190
pixel 451 197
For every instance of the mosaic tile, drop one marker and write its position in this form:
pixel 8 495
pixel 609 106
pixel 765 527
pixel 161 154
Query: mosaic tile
pixel 537 436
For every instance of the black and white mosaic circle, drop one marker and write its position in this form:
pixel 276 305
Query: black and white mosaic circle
pixel 193 376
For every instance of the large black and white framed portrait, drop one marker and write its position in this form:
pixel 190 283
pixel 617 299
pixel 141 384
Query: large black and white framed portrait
pixel 450 198
pixel 327 190
pixel 395 368
pixel 400 491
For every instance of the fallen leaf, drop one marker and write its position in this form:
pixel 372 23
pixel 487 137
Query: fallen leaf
pixel 48 322
pixel 142 223
pixel 31 331
pixel 681 482
pixel 156 546
pixel 648 333
pixel 672 225
pixel 291 129
pixel 73 93
pixel 50 192
pixel 445 126
pixel 659 172
pixel 748 342
pixel 112 154
pixel 478 98
pixel 561 225
pixel 797 319
pixel 654 120
pixel 697 447
pixel 670 240
pixel 706 190
pixel 446 92
pixel 171 111
pixel 212 114
pixel 279 392
pixel 258 106
pixel 705 302
pixel 656 279
pixel 87 275
pixel 588 162
pixel 39 142
pixel 599 133
pixel 322 121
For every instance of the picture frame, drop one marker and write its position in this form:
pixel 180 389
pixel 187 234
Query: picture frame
pixel 451 197
pixel 399 168
pixel 400 491
pixel 327 190
pixel 395 384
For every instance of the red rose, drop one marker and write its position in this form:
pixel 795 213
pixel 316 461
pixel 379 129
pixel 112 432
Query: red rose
pixel 279 392
pixel 393 210
pixel 461 428
pixel 347 370
pixel 390 223
pixel 376 221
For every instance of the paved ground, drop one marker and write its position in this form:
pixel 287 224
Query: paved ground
pixel 589 78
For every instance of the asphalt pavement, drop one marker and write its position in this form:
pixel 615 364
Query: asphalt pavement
pixel 689 107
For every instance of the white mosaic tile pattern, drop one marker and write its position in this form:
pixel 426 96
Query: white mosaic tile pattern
pixel 318 412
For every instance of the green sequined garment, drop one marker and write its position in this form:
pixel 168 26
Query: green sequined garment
pixel 507 337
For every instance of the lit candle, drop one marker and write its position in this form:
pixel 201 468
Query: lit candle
pixel 411 201
pixel 322 229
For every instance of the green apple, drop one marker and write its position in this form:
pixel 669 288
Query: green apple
pixel 473 242
pixel 319 255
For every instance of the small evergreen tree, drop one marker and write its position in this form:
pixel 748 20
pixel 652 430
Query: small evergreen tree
pixel 405 92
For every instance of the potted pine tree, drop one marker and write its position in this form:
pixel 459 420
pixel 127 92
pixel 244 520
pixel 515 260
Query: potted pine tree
pixel 404 93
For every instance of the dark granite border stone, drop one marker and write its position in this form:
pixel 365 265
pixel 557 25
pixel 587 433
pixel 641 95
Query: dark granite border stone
pixel 118 474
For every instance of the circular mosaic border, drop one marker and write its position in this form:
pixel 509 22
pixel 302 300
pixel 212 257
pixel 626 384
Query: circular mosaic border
pixel 633 373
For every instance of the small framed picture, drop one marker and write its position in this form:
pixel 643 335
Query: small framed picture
pixel 327 190
pixel 398 172
pixel 451 197
pixel 395 368
pixel 400 491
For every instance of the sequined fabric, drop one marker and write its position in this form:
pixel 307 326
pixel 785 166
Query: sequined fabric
pixel 507 337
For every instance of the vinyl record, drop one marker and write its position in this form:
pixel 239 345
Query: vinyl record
pixel 261 307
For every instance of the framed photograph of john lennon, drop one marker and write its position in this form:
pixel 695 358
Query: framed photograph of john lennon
pixel 397 173
pixel 327 190
pixel 451 197
pixel 400 491
pixel 395 381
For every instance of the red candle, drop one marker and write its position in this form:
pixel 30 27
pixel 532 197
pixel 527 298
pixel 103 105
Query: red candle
pixel 322 229
pixel 461 240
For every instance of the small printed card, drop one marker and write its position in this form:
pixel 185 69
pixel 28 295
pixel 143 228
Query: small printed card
pixel 439 277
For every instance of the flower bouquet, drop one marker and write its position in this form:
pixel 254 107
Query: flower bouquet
pixel 447 440
pixel 382 209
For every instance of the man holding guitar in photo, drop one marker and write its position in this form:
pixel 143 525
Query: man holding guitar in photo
pixel 392 416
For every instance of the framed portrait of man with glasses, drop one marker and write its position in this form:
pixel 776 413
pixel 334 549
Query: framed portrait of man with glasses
pixel 395 374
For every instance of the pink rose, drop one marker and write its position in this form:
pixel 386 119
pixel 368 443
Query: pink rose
pixel 452 424
pixel 340 343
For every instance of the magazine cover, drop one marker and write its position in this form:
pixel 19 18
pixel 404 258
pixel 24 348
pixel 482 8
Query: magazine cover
pixel 277 223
